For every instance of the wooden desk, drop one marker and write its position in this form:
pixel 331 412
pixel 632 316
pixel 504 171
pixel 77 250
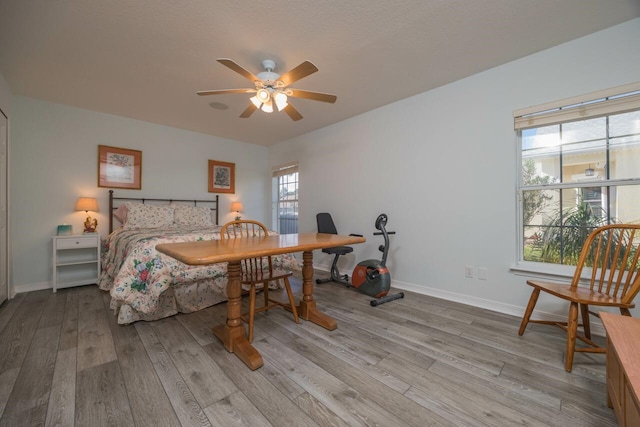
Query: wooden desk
pixel 232 251
pixel 623 367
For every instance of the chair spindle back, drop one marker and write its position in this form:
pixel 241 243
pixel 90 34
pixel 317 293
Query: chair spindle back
pixel 243 229
pixel 612 254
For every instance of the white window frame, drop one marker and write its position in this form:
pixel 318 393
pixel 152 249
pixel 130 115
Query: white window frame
pixel 615 100
pixel 277 173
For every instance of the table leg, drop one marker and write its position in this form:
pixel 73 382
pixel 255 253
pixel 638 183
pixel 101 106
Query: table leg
pixel 307 308
pixel 232 334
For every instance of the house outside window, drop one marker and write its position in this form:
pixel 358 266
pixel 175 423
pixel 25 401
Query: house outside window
pixel 579 163
pixel 285 198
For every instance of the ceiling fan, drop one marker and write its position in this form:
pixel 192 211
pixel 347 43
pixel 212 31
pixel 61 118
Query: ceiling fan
pixel 272 89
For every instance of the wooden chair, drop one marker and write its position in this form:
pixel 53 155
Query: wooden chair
pixel 258 271
pixel 609 259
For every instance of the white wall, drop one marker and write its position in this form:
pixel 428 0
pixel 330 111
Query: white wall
pixel 5 95
pixel 5 106
pixel 54 151
pixel 442 165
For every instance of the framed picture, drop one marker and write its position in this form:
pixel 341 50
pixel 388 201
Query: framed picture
pixel 119 167
pixel 222 177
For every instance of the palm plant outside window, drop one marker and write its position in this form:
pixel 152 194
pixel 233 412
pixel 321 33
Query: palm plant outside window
pixel 579 167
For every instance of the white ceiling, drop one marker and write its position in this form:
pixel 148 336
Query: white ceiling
pixel 145 59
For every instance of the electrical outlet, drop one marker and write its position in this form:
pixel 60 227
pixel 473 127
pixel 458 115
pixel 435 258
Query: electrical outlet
pixel 483 273
pixel 468 272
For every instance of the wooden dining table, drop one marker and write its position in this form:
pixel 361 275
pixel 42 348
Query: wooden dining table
pixel 233 251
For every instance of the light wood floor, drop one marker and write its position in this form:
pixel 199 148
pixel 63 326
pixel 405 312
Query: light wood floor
pixel 413 362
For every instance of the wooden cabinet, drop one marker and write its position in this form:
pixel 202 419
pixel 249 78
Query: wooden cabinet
pixel 623 367
pixel 76 260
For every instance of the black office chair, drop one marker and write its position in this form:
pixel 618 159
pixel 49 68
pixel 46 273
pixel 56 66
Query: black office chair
pixel 326 225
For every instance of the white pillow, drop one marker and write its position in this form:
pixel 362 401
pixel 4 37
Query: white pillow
pixel 121 214
pixel 192 215
pixel 148 216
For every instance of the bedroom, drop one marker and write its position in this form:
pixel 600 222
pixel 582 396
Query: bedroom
pixel 53 153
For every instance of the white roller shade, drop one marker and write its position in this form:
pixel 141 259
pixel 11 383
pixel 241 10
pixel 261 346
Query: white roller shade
pixel 611 101
pixel 285 169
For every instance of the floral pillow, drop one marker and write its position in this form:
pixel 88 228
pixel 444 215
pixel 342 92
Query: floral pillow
pixel 192 215
pixel 148 216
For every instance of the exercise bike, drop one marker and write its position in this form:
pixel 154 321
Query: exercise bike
pixel 370 277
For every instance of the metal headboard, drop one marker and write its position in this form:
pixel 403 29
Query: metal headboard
pixel 113 207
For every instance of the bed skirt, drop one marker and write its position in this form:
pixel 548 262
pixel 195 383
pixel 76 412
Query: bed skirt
pixel 185 298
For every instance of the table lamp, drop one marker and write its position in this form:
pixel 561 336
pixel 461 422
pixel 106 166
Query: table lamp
pixel 88 204
pixel 237 208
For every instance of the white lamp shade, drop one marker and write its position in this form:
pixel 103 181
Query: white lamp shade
pixel 281 101
pixel 267 107
pixel 255 101
pixel 87 204
pixel 263 95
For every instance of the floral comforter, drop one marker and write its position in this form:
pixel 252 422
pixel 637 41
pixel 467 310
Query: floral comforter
pixel 137 275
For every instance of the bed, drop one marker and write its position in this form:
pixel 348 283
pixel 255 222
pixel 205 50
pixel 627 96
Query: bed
pixel 147 285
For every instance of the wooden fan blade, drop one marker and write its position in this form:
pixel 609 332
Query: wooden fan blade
pixel 316 96
pixel 302 70
pixel 238 69
pixel 224 91
pixel 292 112
pixel 249 111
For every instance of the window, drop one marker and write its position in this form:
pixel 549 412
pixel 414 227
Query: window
pixel 579 163
pixel 285 198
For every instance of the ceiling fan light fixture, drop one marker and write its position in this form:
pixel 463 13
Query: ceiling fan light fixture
pixel 271 89
pixel 267 107
pixel 281 101
pixel 255 101
pixel 263 95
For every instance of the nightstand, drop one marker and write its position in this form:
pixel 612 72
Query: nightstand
pixel 76 260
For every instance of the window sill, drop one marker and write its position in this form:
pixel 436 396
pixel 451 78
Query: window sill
pixel 543 271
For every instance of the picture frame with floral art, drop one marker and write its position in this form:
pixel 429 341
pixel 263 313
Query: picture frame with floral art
pixel 222 177
pixel 119 167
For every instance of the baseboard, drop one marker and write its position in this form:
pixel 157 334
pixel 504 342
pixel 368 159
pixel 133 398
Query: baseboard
pixel 19 289
pixel 462 298
pixel 513 310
